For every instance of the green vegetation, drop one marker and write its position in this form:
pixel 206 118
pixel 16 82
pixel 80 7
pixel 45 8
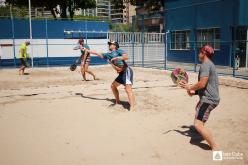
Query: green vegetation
pixel 122 27
pixel 51 5
pixel 90 18
pixel 150 5
pixel 119 27
pixel 16 11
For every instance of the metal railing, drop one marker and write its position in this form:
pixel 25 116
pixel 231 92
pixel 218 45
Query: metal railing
pixel 121 37
pixel 144 50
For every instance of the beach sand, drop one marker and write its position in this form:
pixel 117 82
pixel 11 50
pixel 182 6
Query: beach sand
pixel 52 117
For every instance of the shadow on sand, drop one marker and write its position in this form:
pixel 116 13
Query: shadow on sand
pixel 196 138
pixel 173 87
pixel 124 104
pixel 26 74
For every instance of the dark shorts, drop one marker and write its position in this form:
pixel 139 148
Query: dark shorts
pixel 23 62
pixel 125 77
pixel 203 110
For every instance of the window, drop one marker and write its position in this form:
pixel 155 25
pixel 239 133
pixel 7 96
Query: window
pixel 209 36
pixel 180 40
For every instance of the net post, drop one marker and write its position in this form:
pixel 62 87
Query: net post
pixel 47 61
pixel 195 50
pixel 165 40
pixel 234 51
pixel 133 19
pixel 30 31
pixel 13 34
pixel 234 58
pixel 143 40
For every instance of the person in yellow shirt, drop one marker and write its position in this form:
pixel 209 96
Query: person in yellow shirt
pixel 23 57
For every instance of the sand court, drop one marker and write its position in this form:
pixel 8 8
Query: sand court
pixel 51 117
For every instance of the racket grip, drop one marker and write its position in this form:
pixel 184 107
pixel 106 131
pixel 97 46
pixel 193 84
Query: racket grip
pixel 76 48
pixel 78 61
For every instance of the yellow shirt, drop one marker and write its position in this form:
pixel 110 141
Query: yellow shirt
pixel 23 48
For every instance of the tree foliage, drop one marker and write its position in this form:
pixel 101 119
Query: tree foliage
pixel 16 11
pixel 70 5
pixel 150 5
pixel 119 4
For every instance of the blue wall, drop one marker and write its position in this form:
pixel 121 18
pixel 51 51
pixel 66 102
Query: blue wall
pixel 195 14
pixel 55 29
pixel 243 12
pixel 52 61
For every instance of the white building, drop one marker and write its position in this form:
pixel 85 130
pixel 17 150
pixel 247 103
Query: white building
pixel 106 11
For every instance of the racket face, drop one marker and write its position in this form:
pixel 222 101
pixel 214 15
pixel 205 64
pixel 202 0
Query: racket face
pixel 173 78
pixel 178 75
pixel 73 67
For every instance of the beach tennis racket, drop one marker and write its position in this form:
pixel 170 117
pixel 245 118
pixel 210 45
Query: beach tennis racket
pixel 179 74
pixel 73 67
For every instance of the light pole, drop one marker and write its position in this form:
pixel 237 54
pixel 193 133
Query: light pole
pixel 166 48
pixel 246 65
pixel 30 32
pixel 13 32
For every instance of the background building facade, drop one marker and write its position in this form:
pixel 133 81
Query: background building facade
pixel 105 10
pixel 153 20
pixel 220 23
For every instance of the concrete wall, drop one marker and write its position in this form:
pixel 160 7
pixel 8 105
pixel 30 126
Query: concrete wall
pixel 56 47
pixel 60 51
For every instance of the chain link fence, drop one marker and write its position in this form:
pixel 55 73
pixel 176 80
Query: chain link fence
pixel 145 49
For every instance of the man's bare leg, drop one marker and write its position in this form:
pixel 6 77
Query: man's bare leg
pixel 83 72
pixel 24 70
pixel 206 134
pixel 86 69
pixel 21 70
pixel 115 91
pixel 130 95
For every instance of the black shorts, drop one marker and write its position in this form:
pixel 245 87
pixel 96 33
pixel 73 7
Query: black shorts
pixel 23 62
pixel 125 77
pixel 203 111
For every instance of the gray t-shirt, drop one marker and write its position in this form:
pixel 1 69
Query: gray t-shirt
pixel 209 94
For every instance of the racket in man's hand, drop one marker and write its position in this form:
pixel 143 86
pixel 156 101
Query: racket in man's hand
pixel 179 75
